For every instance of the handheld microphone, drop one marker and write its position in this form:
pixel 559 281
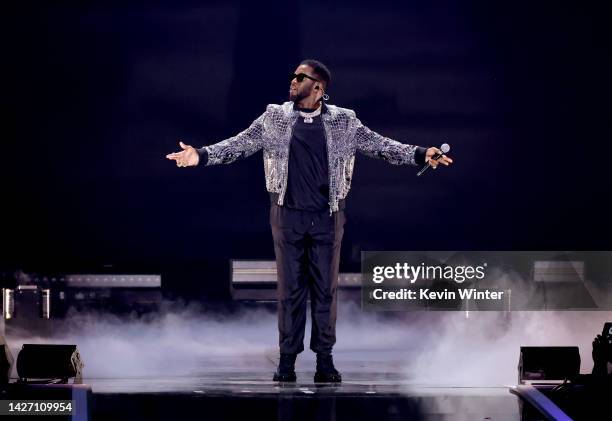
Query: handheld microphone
pixel 445 147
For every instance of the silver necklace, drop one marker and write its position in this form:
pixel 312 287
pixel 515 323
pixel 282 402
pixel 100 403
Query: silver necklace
pixel 308 116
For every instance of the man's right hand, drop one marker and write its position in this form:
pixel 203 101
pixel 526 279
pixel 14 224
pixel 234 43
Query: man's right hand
pixel 188 157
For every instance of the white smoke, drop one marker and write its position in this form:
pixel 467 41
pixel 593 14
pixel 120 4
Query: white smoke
pixel 419 348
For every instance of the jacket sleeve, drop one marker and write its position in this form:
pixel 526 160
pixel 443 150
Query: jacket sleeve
pixel 243 145
pixel 375 145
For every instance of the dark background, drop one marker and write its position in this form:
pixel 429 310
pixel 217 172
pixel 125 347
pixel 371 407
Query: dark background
pixel 95 94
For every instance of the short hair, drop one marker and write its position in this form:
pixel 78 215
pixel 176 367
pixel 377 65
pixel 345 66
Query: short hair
pixel 320 70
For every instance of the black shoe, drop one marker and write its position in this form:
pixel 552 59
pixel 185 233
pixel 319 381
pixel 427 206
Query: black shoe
pixel 286 369
pixel 326 372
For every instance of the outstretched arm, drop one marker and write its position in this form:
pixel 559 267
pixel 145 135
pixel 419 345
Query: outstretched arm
pixel 377 146
pixel 244 144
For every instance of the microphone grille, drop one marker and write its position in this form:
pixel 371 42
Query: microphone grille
pixel 445 147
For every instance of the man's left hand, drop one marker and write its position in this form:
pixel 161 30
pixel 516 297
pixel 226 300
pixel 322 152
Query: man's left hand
pixel 431 152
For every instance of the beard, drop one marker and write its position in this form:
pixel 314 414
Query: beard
pixel 296 96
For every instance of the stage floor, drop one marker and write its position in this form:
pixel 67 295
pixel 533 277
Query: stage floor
pixel 237 397
pixel 239 389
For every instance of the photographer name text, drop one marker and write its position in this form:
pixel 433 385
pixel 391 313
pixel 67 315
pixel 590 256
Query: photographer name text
pixel 428 294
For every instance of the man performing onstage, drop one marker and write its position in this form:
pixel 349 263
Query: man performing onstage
pixel 308 151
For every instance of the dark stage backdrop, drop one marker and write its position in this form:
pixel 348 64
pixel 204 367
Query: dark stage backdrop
pixel 95 94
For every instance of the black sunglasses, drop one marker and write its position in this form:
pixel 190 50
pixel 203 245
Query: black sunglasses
pixel 300 77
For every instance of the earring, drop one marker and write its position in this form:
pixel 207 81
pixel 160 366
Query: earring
pixel 325 97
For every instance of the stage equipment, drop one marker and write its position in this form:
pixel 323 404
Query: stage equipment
pixel 113 281
pixel 559 284
pixel 37 297
pixel 8 303
pixel 558 271
pixel 548 364
pixel 46 363
pixel 445 148
pixel 607 333
pixel 255 280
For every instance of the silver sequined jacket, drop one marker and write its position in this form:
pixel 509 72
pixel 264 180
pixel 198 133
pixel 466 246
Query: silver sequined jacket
pixel 344 133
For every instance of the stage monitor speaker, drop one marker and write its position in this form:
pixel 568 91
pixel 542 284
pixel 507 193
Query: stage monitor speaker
pixel 49 362
pixel 548 363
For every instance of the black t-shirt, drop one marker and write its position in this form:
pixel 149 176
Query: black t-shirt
pixel 308 174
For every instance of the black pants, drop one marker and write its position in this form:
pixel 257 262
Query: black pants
pixel 307 248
